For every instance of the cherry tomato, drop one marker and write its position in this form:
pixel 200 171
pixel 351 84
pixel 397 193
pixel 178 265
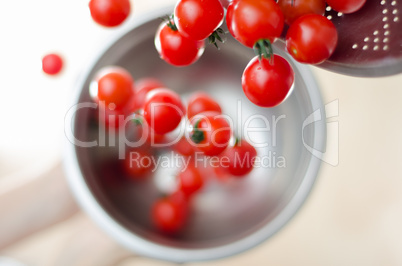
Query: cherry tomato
pixel 183 147
pixel 138 163
pixel 142 134
pixel 153 138
pixel 293 9
pixel 252 20
pixel 201 102
pixel 346 6
pixel 109 13
pixel 198 19
pixel 52 64
pixel 170 214
pixel 240 158
pixel 175 48
pixel 115 88
pixel 190 180
pixel 142 87
pixel 221 174
pixel 211 133
pixel 266 83
pixel 163 110
pixel 311 39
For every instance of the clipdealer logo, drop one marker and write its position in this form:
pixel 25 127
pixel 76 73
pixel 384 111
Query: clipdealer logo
pixel 245 128
pixel 331 153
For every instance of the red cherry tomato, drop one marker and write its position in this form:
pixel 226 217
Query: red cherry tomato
pixel 109 13
pixel 154 138
pixel 252 20
pixel 138 163
pixel 190 180
pixel 211 133
pixel 198 19
pixel 145 135
pixel 240 158
pixel 52 64
pixel 115 86
pixel 163 110
pixel 142 87
pixel 221 174
pixel 346 6
pixel 183 147
pixel 175 48
pixel 266 84
pixel 293 9
pixel 201 102
pixel 170 214
pixel 311 39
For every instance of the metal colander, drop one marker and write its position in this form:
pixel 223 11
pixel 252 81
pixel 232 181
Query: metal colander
pixel 370 40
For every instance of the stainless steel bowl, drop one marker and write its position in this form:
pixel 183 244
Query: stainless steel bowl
pixel 226 219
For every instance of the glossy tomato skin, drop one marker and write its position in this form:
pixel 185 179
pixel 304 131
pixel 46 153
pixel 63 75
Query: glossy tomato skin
pixel 190 180
pixel 142 87
pixel 311 39
pixel 346 6
pixel 215 131
pixel 146 136
pixel 252 20
pixel 201 102
pixel 266 84
pixel 240 158
pixel 184 147
pixel 170 214
pixel 115 87
pixel 292 9
pixel 52 64
pixel 177 49
pixel 198 19
pixel 163 110
pixel 109 13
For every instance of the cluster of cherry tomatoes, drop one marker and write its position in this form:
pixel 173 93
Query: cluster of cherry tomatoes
pixel 267 80
pixel 311 38
pixel 156 112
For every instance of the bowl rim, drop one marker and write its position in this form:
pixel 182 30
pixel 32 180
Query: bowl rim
pixel 141 246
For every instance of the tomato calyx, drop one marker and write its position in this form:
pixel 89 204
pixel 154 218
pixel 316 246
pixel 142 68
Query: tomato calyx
pixel 198 135
pixel 237 142
pixel 263 48
pixel 216 36
pixel 137 119
pixel 169 22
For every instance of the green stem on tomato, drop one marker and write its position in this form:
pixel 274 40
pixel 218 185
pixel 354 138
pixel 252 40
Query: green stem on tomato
pixel 237 142
pixel 216 36
pixel 138 119
pixel 169 21
pixel 197 135
pixel 263 49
